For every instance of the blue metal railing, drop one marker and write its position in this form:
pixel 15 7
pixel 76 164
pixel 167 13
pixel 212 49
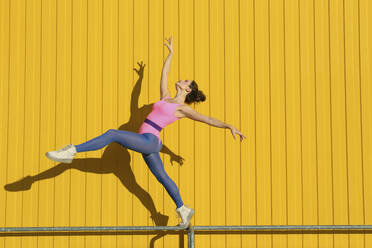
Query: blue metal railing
pixel 190 230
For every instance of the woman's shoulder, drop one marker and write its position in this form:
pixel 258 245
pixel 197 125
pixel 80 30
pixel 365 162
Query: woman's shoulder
pixel 165 96
pixel 183 108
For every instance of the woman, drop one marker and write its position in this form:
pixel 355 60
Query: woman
pixel 147 141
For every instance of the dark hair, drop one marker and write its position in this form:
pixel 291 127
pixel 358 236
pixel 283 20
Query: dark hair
pixel 195 95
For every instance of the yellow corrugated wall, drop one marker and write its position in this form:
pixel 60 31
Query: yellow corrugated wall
pixel 293 75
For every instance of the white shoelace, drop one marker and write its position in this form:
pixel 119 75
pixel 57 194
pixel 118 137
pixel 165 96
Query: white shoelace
pixel 65 148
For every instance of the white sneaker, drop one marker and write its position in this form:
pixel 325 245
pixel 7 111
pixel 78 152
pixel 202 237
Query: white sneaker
pixel 64 155
pixel 185 213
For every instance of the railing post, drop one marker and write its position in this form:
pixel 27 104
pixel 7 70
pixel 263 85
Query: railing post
pixel 190 237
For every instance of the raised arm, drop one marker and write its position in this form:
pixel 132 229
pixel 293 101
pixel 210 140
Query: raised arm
pixel 164 92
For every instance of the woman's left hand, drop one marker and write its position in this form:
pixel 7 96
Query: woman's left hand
pixel 170 46
pixel 236 131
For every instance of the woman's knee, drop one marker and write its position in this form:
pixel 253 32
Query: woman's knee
pixel 111 135
pixel 111 132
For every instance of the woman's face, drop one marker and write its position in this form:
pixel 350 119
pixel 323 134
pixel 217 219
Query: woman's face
pixel 184 84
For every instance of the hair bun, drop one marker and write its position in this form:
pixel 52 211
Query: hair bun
pixel 195 95
pixel 200 97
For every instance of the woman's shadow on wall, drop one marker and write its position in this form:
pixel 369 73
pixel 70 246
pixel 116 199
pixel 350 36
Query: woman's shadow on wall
pixel 115 159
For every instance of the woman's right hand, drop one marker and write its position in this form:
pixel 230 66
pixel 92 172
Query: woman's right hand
pixel 170 46
pixel 236 131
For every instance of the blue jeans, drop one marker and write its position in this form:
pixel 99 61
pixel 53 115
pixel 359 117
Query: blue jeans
pixel 145 143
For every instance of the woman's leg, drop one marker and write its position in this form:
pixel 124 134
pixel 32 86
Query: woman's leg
pixel 142 143
pixel 156 166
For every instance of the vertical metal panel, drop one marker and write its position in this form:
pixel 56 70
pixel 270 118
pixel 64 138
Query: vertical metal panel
pixel 247 116
pixel 16 107
pixel 217 111
pixel 177 132
pixel 109 206
pixel 140 170
pixel 365 60
pixel 294 165
pixel 46 188
pixel 232 116
pixel 203 164
pixel 278 118
pixel 4 105
pixel 150 94
pixel 32 114
pixel 61 215
pixel 322 84
pixel 322 70
pixel 79 85
pixel 127 78
pixel 187 138
pixel 308 118
pixel 94 214
pixel 353 119
pixel 338 119
pixel 263 138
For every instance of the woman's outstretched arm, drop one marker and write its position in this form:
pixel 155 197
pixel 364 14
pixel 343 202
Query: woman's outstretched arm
pixel 164 92
pixel 194 115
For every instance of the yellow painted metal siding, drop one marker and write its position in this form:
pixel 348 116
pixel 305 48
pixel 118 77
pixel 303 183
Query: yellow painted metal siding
pixel 294 76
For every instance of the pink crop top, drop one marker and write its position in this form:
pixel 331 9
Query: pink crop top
pixel 162 114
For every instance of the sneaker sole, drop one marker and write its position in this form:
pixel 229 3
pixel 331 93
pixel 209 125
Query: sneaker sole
pixel 68 161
